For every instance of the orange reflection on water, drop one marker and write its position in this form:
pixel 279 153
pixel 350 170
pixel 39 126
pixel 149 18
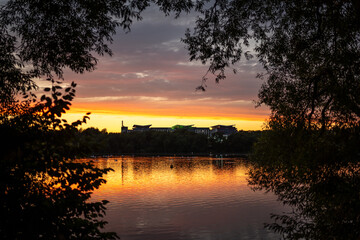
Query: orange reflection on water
pixel 181 197
pixel 173 174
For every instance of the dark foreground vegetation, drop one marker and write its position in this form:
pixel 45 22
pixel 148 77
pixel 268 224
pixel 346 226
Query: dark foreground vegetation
pixel 317 175
pixel 44 192
pixel 181 141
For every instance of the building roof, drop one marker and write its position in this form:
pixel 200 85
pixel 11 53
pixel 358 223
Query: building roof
pixel 222 126
pixel 142 126
pixel 182 126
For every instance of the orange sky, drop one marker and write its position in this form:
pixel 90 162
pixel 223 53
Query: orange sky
pixel 149 80
pixel 110 115
pixel 112 122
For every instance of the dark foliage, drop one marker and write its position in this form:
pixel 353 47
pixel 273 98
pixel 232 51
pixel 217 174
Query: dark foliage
pixel 240 142
pixel 309 50
pixel 181 141
pixel 289 144
pixel 44 192
pixel 323 197
pixel 316 174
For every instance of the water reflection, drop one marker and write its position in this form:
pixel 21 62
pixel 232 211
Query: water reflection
pixel 184 198
pixel 324 199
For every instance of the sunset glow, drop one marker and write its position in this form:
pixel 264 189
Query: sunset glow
pixel 112 122
pixel 150 80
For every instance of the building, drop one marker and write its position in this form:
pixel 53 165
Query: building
pixel 141 128
pixel 205 131
pixel 188 127
pixel 225 130
pixel 162 129
pixel 123 128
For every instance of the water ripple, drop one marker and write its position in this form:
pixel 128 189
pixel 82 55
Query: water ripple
pixel 198 198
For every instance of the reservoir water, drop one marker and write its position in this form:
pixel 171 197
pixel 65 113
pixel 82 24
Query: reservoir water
pixel 175 198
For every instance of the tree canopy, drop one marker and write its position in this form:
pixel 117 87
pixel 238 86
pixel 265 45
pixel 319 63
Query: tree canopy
pixel 310 50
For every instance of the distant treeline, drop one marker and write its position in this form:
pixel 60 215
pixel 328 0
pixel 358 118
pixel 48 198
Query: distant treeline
pixel 96 142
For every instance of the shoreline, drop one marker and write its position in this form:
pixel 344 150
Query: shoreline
pixel 217 155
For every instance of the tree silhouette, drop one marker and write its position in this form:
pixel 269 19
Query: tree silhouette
pixel 309 50
pixel 44 192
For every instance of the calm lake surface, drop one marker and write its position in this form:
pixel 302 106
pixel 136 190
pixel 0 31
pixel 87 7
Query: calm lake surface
pixel 164 198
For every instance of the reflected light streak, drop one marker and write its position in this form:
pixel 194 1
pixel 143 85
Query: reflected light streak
pixel 179 197
pixel 178 176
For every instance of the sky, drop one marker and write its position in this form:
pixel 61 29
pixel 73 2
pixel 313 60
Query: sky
pixel 150 80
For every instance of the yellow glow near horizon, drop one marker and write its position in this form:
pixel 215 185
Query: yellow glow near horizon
pixel 112 121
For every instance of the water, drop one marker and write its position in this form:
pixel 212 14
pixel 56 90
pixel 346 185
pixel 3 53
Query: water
pixel 166 198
